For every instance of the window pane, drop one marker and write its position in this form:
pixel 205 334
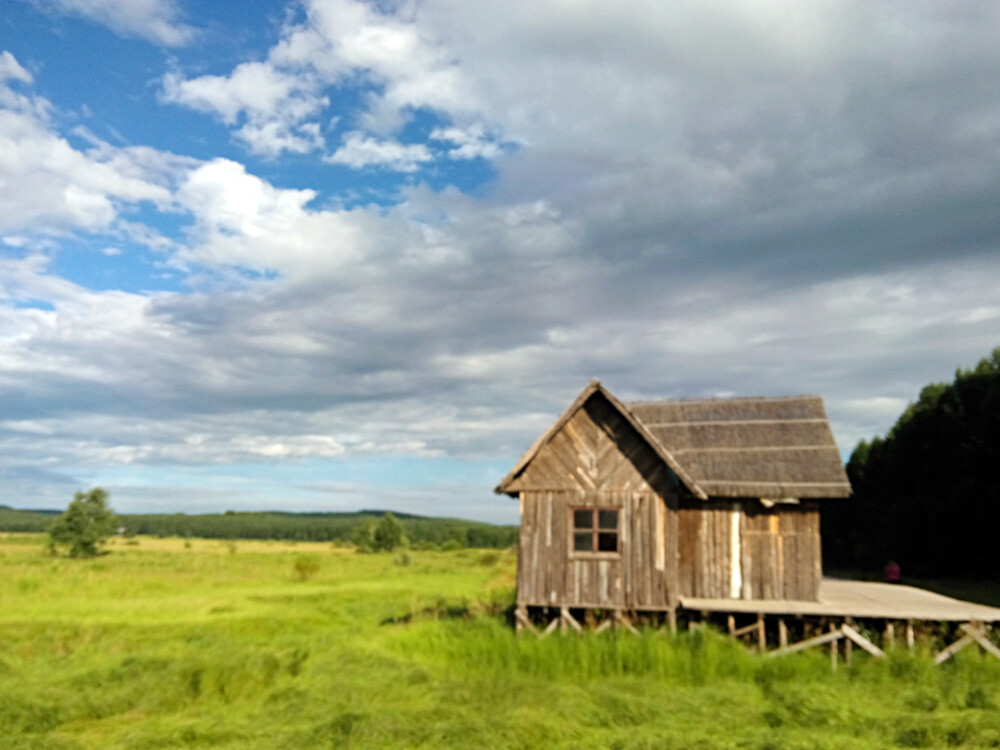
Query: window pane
pixel 583 542
pixel 608 519
pixel 607 542
pixel 583 519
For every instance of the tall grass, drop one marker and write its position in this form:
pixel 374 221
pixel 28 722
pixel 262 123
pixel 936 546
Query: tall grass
pixel 167 646
pixel 488 644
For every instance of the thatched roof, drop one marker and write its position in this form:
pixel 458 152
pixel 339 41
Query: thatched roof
pixel 772 448
pixel 750 447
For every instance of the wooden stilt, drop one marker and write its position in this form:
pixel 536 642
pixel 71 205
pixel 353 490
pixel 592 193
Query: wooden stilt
pixel 604 626
pixel 833 646
pixel 889 639
pixel 731 623
pixel 523 621
pixel 946 653
pixel 974 633
pixel 624 621
pixel 909 634
pixel 552 626
pixel 848 643
pixel 819 640
pixel 782 633
pixel 569 620
pixel 852 635
pixel 751 628
pixel 761 635
pixel 672 619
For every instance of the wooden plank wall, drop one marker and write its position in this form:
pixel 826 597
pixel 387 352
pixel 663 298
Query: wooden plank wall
pixel 704 548
pixel 551 574
pixel 548 574
pixel 597 449
pixel 651 556
pixel 780 550
pixel 596 459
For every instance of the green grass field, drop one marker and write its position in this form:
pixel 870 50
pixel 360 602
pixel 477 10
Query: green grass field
pixel 164 643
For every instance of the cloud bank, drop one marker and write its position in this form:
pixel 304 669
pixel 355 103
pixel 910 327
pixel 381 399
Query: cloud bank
pixel 684 200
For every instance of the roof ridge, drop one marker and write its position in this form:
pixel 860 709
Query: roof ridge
pixel 721 399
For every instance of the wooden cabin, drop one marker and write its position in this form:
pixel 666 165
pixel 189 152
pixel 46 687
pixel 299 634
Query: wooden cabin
pixel 639 506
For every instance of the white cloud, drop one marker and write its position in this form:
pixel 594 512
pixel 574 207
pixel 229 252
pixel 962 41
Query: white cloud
pixel 155 20
pixel 470 143
pixel 49 186
pixel 392 50
pixel 277 107
pixel 11 70
pixel 359 151
pixel 340 43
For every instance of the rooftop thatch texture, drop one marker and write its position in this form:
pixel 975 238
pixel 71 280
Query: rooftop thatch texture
pixel 772 448
pixel 750 447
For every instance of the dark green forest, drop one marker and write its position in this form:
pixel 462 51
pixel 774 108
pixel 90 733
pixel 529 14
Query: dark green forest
pixel 926 495
pixel 314 527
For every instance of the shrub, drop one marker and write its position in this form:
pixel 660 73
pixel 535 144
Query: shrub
pixel 306 566
pixel 363 536
pixel 488 559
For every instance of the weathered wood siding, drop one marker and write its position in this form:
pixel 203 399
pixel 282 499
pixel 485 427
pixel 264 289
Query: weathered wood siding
pixel 669 547
pixel 781 552
pixel 704 545
pixel 778 550
pixel 549 572
pixel 597 459
pixel 596 450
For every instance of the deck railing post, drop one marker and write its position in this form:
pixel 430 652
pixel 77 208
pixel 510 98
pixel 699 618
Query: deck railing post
pixel 848 645
pixel 833 647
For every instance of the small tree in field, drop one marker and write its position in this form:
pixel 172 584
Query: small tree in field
pixel 85 524
pixel 363 536
pixel 389 534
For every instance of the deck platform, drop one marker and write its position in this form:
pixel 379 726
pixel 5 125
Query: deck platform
pixel 859 599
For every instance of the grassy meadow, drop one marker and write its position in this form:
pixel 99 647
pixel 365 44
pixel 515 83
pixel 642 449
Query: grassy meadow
pixel 172 643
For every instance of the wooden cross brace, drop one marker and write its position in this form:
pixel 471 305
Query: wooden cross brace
pixel 974 633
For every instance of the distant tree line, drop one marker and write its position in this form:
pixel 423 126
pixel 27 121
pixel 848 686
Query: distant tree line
pixel 927 495
pixel 420 531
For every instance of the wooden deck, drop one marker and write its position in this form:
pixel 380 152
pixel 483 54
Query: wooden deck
pixel 860 599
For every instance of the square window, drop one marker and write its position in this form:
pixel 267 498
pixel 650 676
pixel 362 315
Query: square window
pixel 595 530
pixel 583 519
pixel 607 541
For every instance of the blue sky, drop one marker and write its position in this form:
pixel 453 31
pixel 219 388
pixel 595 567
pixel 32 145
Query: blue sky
pixel 333 254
